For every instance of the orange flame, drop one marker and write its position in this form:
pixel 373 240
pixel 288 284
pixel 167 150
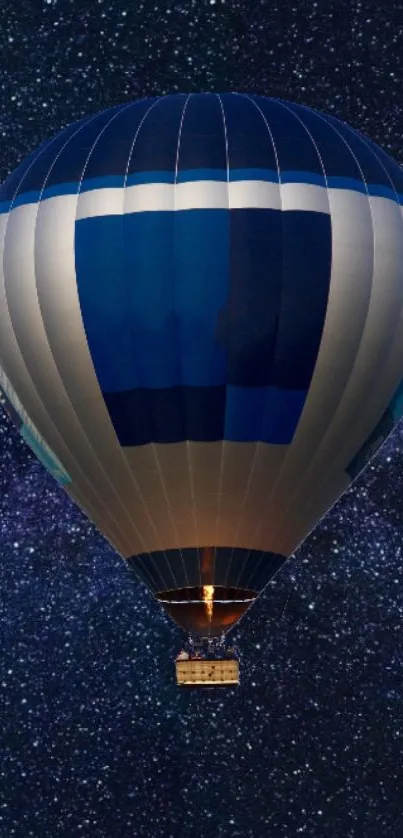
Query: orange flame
pixel 208 596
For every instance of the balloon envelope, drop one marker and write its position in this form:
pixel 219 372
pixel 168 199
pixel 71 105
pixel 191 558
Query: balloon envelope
pixel 201 334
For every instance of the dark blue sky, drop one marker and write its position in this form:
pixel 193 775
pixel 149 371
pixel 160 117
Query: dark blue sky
pixel 96 739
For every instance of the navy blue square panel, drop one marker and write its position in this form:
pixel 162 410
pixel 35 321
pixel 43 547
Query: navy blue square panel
pixel 249 142
pixel 248 329
pixel 204 414
pixel 184 566
pixel 230 565
pixel 307 256
pixel 111 154
pixel 167 570
pixel 338 160
pixel 39 165
pixel 280 266
pixel 373 172
pixel 167 415
pixel 70 165
pixel 268 414
pixel 202 136
pixel 238 560
pixel 156 144
pixel 296 152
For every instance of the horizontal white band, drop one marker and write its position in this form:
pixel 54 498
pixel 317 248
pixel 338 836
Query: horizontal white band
pixel 204 194
pixel 203 601
pixel 167 197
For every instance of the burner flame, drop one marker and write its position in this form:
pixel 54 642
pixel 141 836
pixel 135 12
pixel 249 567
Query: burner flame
pixel 208 596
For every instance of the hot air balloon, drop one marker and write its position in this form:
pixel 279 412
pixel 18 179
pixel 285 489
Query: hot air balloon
pixel 201 334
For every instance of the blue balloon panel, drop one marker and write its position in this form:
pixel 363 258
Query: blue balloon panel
pixel 204 324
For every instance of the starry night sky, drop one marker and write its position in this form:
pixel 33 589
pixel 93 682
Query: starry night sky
pixel 96 738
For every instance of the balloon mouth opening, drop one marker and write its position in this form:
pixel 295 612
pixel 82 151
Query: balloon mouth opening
pixel 206 610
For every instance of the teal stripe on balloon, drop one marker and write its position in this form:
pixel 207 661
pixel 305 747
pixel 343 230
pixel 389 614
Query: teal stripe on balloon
pixel 45 455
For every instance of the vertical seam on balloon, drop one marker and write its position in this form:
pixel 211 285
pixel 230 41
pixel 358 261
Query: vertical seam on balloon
pixel 130 155
pixel 97 139
pixel 178 145
pixel 301 484
pixel 152 445
pixel 258 442
pixel 46 147
pixel 276 157
pixel 118 446
pixel 289 452
pixel 132 147
pixel 172 516
pixel 223 441
pixel 179 355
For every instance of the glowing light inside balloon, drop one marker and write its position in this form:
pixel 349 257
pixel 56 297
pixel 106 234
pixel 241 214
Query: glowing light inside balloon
pixel 208 596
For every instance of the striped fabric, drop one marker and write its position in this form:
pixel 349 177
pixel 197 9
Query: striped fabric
pixel 201 324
